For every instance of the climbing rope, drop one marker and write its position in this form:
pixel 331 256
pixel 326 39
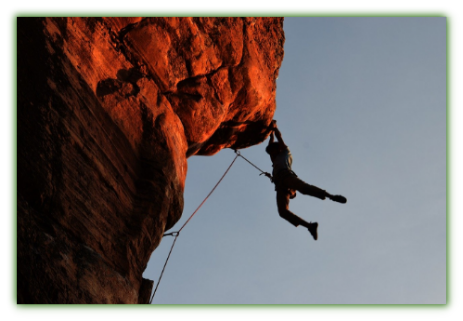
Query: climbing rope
pixel 177 233
pixel 261 171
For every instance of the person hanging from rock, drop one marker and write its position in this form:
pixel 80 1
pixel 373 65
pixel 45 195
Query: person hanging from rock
pixel 287 183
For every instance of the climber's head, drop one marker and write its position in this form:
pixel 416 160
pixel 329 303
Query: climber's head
pixel 273 149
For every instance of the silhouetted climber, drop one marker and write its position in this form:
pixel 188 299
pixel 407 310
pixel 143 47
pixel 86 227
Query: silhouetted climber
pixel 287 183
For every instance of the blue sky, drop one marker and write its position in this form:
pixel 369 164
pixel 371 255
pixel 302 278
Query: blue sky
pixel 361 102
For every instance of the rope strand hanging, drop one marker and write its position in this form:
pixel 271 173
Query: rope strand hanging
pixel 176 234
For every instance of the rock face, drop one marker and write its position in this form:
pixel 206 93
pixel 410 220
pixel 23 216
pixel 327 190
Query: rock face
pixel 109 110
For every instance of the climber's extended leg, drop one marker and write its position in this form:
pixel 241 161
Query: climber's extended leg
pixel 294 182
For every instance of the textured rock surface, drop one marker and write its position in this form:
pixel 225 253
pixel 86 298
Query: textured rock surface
pixel 109 110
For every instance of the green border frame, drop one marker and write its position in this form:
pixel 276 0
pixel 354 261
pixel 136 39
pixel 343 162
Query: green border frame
pixel 443 8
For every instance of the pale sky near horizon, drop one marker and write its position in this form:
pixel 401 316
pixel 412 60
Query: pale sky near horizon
pixel 361 102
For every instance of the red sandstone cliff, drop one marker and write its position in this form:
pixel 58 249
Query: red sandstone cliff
pixel 109 109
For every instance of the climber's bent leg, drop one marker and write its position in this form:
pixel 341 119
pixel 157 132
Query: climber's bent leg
pixel 283 210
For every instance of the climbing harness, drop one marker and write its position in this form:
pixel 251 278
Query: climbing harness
pixel 177 233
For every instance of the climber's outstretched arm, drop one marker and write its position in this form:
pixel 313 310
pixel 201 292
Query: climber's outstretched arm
pixel 272 138
pixel 278 135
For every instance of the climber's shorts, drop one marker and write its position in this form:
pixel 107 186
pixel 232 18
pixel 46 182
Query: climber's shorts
pixel 279 179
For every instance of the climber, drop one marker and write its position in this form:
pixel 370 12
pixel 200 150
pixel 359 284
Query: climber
pixel 287 183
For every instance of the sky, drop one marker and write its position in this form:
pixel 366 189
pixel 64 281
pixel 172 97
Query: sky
pixel 361 102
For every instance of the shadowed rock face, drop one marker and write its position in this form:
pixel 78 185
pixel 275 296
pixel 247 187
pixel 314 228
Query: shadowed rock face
pixel 109 110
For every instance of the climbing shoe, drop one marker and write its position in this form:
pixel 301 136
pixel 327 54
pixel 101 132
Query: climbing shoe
pixel 338 198
pixel 313 230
